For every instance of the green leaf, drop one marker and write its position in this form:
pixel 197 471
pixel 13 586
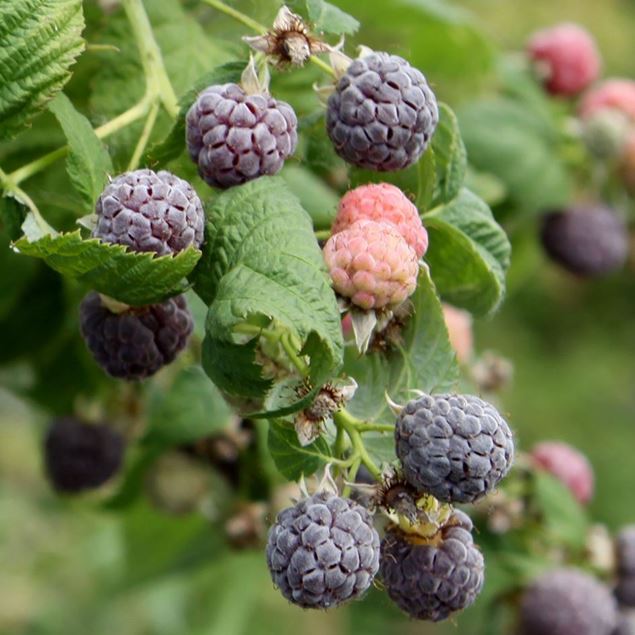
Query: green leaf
pixel 88 162
pixel 291 459
pixel 40 41
pixel 133 278
pixel 174 143
pixel 424 361
pixel 190 409
pixel 564 518
pixel 450 156
pixel 468 254
pixel 12 215
pixel 330 19
pixel 519 146
pixel 261 264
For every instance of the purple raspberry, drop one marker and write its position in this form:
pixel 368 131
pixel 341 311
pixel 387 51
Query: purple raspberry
pixel 586 240
pixel 455 447
pixel 150 211
pixel 323 551
pixel 382 114
pixel 79 456
pixel 625 551
pixel 234 137
pixel 430 581
pixel 567 602
pixel 136 343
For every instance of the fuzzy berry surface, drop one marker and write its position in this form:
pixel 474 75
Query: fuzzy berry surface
pixel 568 465
pixel 586 240
pixel 432 581
pixel 569 56
pixel 372 264
pixel 383 202
pixel 625 551
pixel 616 94
pixel 79 456
pixel 138 342
pixel 382 114
pixel 455 447
pixel 567 602
pixel 234 137
pixel 150 211
pixel 323 551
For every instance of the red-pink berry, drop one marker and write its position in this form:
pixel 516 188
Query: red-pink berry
pixel 459 325
pixel 383 202
pixel 618 94
pixel 567 57
pixel 372 264
pixel 568 465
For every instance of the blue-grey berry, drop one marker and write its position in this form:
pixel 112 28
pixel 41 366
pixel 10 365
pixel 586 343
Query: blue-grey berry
pixel 136 343
pixel 79 456
pixel 567 602
pixel 323 551
pixel 234 137
pixel 455 447
pixel 625 551
pixel 430 581
pixel 150 211
pixel 382 114
pixel 586 240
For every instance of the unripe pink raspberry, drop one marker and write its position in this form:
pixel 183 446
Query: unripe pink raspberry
pixel 383 202
pixel 459 325
pixel 568 465
pixel 372 264
pixel 569 57
pixel 618 94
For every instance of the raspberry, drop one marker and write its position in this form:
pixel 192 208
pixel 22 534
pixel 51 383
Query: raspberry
pixel 567 602
pixel 383 202
pixel 382 114
pixel 568 465
pixel 150 211
pixel 586 240
pixel 455 447
pixel 459 325
pixel 138 342
pixel 625 550
pixel 323 551
pixel 234 137
pixel 432 581
pixel 618 94
pixel 79 456
pixel 569 57
pixel 605 133
pixel 372 264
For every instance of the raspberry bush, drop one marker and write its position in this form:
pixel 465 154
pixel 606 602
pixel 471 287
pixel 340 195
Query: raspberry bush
pixel 255 269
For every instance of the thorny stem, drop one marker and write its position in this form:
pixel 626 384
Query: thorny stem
pixel 145 135
pixel 260 28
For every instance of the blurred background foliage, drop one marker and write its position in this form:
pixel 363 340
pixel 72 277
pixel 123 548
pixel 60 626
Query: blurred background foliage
pixel 73 567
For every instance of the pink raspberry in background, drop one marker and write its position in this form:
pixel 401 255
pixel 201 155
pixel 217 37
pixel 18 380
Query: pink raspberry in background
pixel 569 56
pixel 347 325
pixel 618 94
pixel 568 465
pixel 372 264
pixel 383 202
pixel 459 325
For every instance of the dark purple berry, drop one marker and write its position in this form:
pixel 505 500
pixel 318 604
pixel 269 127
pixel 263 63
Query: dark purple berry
pixel 79 456
pixel 234 137
pixel 382 114
pixel 138 342
pixel 150 211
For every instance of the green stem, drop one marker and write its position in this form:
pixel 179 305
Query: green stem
pixel 114 125
pixel 11 188
pixel 145 135
pixel 350 477
pixel 322 234
pixel 362 427
pixel 157 79
pixel 294 358
pixel 344 419
pixel 260 28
